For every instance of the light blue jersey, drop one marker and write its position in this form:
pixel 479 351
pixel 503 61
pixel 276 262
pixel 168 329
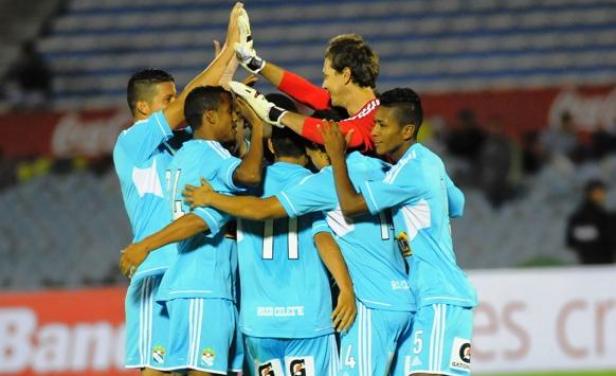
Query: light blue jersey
pixel 141 156
pixel 285 290
pixel 367 242
pixel 423 198
pixel 206 264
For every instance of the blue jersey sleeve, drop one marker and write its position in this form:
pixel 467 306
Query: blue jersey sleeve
pixel 313 193
pixel 320 224
pixel 398 186
pixel 214 219
pixel 455 198
pixel 219 165
pixel 144 137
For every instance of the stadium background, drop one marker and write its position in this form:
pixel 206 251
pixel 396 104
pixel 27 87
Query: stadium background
pixel 495 77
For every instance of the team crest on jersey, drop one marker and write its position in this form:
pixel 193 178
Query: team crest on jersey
pixel 461 354
pixel 300 366
pixel 208 355
pixel 158 354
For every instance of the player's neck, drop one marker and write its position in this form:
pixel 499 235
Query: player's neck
pixel 292 160
pixel 399 152
pixel 357 97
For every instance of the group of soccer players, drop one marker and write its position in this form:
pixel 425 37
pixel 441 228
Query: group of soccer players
pixel 218 230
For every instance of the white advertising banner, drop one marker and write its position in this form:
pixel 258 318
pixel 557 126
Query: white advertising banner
pixel 545 319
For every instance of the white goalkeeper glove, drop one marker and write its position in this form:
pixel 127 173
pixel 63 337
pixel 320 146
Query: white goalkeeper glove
pixel 265 109
pixel 244 50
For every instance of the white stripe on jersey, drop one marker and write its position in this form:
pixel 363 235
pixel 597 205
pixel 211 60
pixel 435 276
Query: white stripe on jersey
pixel 150 314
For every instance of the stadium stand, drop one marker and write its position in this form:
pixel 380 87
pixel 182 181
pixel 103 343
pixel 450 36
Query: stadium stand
pixel 78 221
pixel 433 45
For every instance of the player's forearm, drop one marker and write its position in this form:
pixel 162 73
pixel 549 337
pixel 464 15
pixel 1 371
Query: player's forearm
pixel 272 73
pixel 351 202
pixel 303 90
pixel 210 76
pixel 247 207
pixel 334 262
pixel 250 171
pixel 228 73
pixel 294 121
pixel 180 229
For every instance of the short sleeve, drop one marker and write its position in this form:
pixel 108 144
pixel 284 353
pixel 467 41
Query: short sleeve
pixel 455 198
pixel 214 219
pixel 319 224
pixel 141 140
pixel 313 193
pixel 396 188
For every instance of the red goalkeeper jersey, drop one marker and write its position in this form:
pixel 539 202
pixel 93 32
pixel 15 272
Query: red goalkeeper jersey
pixel 318 98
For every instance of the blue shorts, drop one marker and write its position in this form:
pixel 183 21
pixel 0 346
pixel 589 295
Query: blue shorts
pixel 316 356
pixel 202 334
pixel 441 341
pixel 371 344
pixel 147 326
pixel 237 352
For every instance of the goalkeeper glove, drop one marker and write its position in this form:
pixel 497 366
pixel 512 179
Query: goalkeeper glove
pixel 244 50
pixel 266 110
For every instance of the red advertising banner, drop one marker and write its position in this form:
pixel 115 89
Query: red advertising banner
pixel 63 333
pixel 93 133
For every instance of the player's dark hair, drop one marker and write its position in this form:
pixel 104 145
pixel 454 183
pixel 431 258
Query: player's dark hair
pixel 141 85
pixel 287 143
pixel 200 100
pixel 350 50
pixel 407 105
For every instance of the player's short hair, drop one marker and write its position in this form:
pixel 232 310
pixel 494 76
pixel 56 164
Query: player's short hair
pixel 407 105
pixel 200 100
pixel 287 143
pixel 350 50
pixel 141 84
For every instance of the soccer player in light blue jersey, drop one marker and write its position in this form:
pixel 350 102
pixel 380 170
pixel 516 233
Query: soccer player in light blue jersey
pixel 286 313
pixel 423 198
pixel 197 288
pixel 385 303
pixel 141 155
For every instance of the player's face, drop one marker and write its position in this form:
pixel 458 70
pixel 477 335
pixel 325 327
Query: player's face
pixel 225 124
pixel 333 82
pixel 165 94
pixel 387 134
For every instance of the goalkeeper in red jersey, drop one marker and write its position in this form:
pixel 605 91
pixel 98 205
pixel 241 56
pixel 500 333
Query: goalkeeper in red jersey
pixel 350 70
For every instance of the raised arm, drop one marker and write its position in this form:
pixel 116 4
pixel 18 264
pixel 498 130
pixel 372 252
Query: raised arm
pixel 210 75
pixel 329 251
pixel 250 170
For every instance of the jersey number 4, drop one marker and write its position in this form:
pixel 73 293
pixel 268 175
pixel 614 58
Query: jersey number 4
pixel 268 240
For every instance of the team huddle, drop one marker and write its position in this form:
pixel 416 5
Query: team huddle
pixel 239 241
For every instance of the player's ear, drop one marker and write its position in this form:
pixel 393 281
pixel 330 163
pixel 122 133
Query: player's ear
pixel 346 75
pixel 270 146
pixel 210 117
pixel 143 108
pixel 408 131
